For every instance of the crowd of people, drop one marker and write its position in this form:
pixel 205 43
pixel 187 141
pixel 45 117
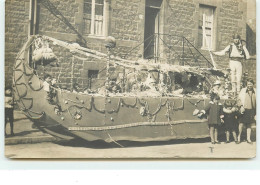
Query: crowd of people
pixel 234 115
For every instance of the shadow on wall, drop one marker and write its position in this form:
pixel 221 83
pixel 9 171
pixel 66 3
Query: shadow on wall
pixel 251 40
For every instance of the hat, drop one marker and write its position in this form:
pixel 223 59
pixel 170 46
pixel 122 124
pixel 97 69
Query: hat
pixel 236 36
pixel 217 82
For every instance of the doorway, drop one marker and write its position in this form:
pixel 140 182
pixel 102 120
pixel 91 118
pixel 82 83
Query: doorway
pixel 151 29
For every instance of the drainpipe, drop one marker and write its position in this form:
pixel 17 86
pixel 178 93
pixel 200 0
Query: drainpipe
pixel 32 18
pixel 30 31
pixel 32 24
pixel 35 17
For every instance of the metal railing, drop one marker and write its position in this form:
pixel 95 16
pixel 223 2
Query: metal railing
pixel 169 48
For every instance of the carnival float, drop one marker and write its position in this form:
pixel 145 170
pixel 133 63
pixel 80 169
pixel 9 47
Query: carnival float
pixel 152 106
pixel 138 100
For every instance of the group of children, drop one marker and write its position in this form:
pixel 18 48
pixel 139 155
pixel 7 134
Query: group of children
pixel 226 114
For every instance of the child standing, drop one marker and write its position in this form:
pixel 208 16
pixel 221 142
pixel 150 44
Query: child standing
pixel 214 111
pixel 230 113
pixel 47 82
pixel 9 109
pixel 47 86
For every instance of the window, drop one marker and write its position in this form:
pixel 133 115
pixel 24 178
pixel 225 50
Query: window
pixel 206 27
pixel 93 78
pixel 95 15
pixel 93 74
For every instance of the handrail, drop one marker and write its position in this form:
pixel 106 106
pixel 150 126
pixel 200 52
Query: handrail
pixel 183 40
pixel 198 51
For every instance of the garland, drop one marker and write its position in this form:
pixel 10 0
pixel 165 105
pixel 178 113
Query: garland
pixel 104 128
pixel 25 93
pixel 196 103
pixel 121 102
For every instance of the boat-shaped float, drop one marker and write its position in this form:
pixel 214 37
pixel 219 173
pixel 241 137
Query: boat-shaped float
pixel 110 117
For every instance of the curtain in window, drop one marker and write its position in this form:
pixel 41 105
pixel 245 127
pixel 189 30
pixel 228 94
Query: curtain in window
pixel 99 9
pixel 93 17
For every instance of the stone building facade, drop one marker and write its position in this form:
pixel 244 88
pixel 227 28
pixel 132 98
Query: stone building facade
pixel 131 23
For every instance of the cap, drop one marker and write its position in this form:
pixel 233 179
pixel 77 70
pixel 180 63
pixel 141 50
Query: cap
pixel 236 36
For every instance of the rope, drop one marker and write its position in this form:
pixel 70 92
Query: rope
pixel 196 103
pixel 84 59
pixel 114 141
pixel 192 54
pixel 168 46
pixel 114 127
pixel 49 6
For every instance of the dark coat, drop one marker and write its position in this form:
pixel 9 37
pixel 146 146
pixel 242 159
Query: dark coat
pixel 214 112
pixel 230 121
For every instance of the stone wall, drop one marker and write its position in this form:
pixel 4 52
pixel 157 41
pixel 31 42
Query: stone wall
pixel 16 30
pixel 181 18
pixel 49 23
pixel 126 24
pixel 232 19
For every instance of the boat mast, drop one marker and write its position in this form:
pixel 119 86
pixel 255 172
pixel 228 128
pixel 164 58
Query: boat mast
pixel 72 73
pixel 110 43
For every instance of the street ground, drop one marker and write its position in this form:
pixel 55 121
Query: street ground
pixel 101 150
pixel 29 142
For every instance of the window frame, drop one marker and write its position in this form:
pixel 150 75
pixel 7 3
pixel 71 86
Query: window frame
pixel 104 29
pixel 213 28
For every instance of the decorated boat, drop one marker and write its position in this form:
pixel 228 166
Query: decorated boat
pixel 150 109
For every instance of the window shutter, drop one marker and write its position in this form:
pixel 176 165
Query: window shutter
pixel 205 41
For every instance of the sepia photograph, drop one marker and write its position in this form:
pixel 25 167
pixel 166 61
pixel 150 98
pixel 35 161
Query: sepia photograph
pixel 130 79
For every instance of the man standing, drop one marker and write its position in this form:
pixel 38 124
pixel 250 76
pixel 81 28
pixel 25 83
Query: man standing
pixel 237 53
pixel 247 103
